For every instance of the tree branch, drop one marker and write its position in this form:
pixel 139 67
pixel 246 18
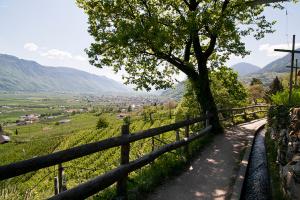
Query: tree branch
pixel 261 2
pixel 197 48
pixel 187 3
pixel 189 71
pixel 187 50
pixel 213 36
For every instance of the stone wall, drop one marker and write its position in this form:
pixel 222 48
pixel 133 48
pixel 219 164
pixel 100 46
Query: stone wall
pixel 288 152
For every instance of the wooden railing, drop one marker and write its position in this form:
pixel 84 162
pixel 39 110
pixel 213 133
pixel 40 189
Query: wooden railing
pixel 245 112
pixel 119 174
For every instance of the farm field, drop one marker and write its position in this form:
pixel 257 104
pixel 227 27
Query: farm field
pixel 48 135
pixel 69 129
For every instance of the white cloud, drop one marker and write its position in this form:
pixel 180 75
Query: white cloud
pixel 269 49
pixel 57 54
pixel 80 58
pixel 31 46
pixel 54 54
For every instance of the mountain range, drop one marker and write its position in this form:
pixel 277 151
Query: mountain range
pixel 29 76
pixel 279 65
pixel 245 68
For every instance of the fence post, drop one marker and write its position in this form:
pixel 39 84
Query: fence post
pixel 245 114
pixel 55 186
pixel 60 178
pixel 207 119
pixel 177 135
pixel 153 143
pixel 122 183
pixel 187 135
pixel 232 117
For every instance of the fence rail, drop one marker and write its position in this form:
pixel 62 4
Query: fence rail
pixel 119 174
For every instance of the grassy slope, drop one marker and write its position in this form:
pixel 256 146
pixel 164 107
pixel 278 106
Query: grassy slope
pixel 81 130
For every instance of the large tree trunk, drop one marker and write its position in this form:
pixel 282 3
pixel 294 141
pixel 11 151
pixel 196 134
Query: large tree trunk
pixel 205 98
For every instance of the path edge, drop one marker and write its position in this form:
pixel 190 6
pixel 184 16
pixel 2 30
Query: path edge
pixel 239 181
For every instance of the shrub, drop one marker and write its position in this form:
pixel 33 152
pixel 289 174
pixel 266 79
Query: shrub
pixel 282 98
pixel 126 120
pixel 101 123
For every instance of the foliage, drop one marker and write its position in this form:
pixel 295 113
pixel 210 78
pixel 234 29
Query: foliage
pixel 276 86
pixel 227 91
pixel 126 120
pixel 129 109
pixel 278 117
pixel 273 168
pixel 140 36
pixel 256 91
pixel 188 104
pixel 101 123
pixel 256 81
pixel 282 98
pixel 155 40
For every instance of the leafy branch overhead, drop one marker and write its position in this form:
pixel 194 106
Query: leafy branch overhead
pixel 154 40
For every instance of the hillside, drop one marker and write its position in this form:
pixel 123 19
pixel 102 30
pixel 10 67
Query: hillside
pixel 245 68
pixel 28 76
pixel 80 130
pixel 176 92
pixel 279 65
pixel 271 70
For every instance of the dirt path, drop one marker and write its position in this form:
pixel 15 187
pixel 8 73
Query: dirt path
pixel 212 174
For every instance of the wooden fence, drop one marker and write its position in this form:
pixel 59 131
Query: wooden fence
pixel 119 174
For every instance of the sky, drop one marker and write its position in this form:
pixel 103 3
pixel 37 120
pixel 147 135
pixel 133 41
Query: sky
pixel 54 33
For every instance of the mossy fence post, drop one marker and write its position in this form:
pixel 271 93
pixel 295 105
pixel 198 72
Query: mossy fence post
pixel 187 135
pixel 60 178
pixel 122 183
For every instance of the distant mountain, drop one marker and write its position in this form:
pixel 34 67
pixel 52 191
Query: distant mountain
pixel 175 93
pixel 271 70
pixel 28 76
pixel 280 64
pixel 245 68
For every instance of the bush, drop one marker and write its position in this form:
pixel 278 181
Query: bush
pixel 282 98
pixel 126 120
pixel 278 117
pixel 102 123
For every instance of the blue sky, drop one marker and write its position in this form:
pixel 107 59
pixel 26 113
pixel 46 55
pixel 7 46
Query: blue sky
pixel 54 33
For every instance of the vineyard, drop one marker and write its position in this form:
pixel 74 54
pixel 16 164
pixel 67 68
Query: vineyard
pixel 81 130
pixel 46 137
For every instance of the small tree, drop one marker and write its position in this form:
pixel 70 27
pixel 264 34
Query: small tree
pixel 126 120
pixel 170 105
pixel 276 86
pixel 256 92
pixel 256 81
pixel 101 123
pixel 129 109
pixel 16 132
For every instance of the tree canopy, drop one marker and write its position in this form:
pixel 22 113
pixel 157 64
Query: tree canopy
pixel 153 40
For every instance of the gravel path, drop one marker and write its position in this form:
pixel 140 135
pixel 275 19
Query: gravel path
pixel 212 174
